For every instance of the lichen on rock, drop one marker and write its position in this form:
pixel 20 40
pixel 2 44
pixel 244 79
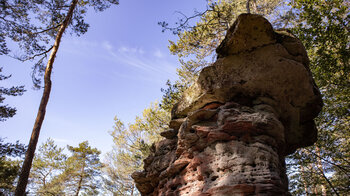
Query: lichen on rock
pixel 232 129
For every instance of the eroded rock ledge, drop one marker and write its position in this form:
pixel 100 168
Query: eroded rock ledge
pixel 232 130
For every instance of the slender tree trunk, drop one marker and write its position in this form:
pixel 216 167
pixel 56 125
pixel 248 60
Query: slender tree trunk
pixel 27 164
pixel 132 190
pixel 302 171
pixel 81 179
pixel 248 6
pixel 320 168
pixel 79 186
pixel 254 6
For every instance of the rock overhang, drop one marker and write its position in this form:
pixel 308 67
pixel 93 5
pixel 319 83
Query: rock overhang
pixel 259 65
pixel 232 129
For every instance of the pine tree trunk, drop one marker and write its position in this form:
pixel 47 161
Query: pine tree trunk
pixel 132 190
pixel 27 164
pixel 79 186
pixel 80 180
pixel 248 6
pixel 320 168
pixel 255 9
pixel 302 171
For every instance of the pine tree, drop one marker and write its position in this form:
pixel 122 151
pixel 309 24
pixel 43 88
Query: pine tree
pixel 323 28
pixel 6 111
pixel 47 165
pixel 9 168
pixel 82 171
pixel 131 146
pixel 196 43
pixel 55 173
pixel 52 19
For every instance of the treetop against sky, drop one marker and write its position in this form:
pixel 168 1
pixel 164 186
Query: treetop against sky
pixel 117 68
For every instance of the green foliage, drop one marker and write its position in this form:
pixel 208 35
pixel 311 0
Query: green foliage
pixel 37 26
pixel 172 94
pixel 9 168
pixel 13 150
pixel 322 26
pixel 131 146
pixel 33 25
pixel 13 21
pixel 48 162
pixel 6 111
pixel 9 171
pixel 196 44
pixel 82 170
pixel 54 173
pixel 325 33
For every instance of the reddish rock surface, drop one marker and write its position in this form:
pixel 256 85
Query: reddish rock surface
pixel 232 130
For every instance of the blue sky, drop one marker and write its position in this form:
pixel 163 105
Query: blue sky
pixel 117 68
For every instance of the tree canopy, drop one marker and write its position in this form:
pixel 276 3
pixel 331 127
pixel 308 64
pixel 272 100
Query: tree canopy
pixel 9 168
pixel 132 145
pixel 322 26
pixel 38 26
pixel 5 110
pixel 55 173
pixel 33 25
pixel 47 164
pixel 197 41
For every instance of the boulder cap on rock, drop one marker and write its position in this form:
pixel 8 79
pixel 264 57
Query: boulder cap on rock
pixel 259 65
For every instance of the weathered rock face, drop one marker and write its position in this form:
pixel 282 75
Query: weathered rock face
pixel 231 130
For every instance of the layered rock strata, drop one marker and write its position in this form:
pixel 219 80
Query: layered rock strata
pixel 231 131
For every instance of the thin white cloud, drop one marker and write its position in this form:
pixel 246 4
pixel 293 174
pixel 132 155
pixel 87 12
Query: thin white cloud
pixel 151 63
pixel 125 49
pixel 58 140
pixel 137 58
pixel 157 53
pixel 141 51
pixel 107 46
pixel 85 43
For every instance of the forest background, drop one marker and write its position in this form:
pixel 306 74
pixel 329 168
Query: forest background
pixel 320 24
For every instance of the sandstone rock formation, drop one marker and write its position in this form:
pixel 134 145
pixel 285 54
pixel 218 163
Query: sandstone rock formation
pixel 231 131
